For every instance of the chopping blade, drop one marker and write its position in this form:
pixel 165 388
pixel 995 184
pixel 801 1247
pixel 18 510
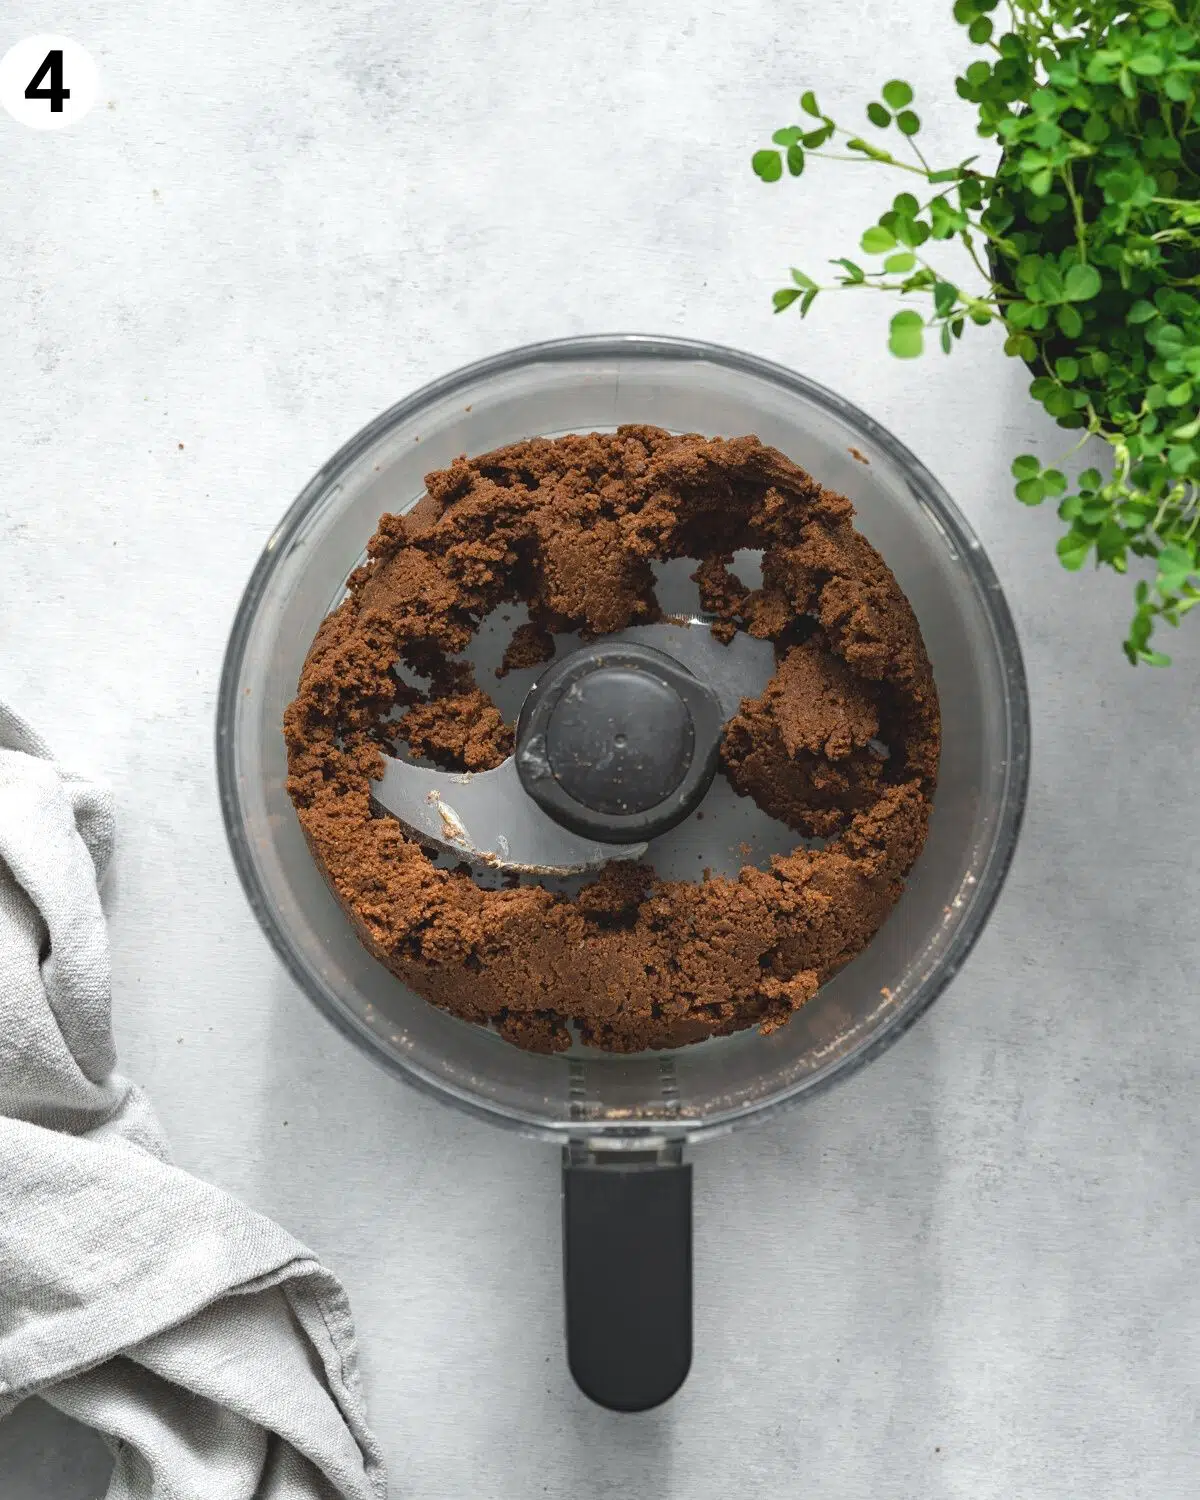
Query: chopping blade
pixel 488 818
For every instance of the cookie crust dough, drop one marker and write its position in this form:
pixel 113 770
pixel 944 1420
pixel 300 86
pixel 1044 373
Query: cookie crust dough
pixel 570 527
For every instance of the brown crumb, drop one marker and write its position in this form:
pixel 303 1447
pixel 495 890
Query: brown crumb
pixel 861 457
pixel 570 528
pixel 531 645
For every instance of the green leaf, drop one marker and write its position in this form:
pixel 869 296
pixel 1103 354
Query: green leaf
pixel 808 103
pixel 980 31
pixel 855 273
pixel 809 298
pixel 1082 283
pixel 907 337
pixel 1066 368
pixel 1168 338
pixel 767 165
pixel 878 115
pixel 1188 431
pixel 1030 491
pixel 795 160
pixel 1154 658
pixel 1073 550
pixel 907 122
pixel 1069 320
pixel 905 230
pixel 1041 182
pixel 1175 566
pixel 905 205
pixel 805 282
pixel 904 260
pixel 1110 544
pixel 1093 511
pixel 946 339
pixel 877 240
pixel 1141 312
pixel 1050 284
pixel 1054 480
pixel 1148 64
pixel 856 143
pixel 788 136
pixel 1058 403
pixel 896 93
pixel 1140 628
pixel 1025 466
pixel 1090 479
pixel 1096 129
pixel 1045 103
pixel 785 296
pixel 945 295
pixel 1018 314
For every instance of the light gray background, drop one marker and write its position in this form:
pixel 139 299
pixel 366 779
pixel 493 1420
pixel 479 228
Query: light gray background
pixel 969 1274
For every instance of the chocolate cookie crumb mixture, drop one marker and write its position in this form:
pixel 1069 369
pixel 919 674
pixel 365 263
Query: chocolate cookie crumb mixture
pixel 571 527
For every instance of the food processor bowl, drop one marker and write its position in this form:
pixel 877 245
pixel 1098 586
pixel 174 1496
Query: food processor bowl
pixel 625 1119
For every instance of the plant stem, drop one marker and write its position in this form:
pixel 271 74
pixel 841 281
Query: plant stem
pixel 1077 206
pixel 965 236
pixel 887 161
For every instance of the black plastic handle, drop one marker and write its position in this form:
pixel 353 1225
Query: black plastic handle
pixel 627 1264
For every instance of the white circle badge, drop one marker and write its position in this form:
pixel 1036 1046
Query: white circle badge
pixel 47 82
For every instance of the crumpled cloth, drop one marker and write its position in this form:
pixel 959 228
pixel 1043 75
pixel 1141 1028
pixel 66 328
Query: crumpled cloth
pixel 211 1351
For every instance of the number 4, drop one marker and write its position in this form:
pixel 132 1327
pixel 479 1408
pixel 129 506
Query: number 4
pixel 52 64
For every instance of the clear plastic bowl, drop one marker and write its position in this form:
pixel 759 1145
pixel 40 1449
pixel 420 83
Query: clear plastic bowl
pixel 597 384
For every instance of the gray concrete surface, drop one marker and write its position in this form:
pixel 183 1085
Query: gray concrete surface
pixel 968 1275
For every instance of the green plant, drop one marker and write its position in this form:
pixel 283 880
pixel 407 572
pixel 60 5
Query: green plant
pixel 1086 241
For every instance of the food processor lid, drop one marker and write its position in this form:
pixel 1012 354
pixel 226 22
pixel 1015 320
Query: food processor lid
pixel 616 743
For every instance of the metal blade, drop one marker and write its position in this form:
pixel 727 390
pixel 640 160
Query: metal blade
pixel 487 817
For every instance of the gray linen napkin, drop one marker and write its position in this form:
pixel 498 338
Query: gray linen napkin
pixel 212 1352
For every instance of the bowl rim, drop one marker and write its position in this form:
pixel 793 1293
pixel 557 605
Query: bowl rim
pixel 948 516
